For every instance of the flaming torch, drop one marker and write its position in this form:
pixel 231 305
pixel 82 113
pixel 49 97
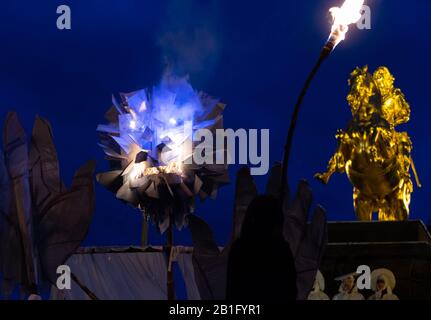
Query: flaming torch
pixel 348 13
pixel 149 144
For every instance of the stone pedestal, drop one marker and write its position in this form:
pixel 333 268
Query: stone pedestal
pixel 404 247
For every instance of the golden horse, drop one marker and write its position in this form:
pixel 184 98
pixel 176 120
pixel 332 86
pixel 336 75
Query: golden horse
pixel 376 158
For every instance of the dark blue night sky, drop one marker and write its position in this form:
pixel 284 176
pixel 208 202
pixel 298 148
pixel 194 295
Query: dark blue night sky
pixel 254 56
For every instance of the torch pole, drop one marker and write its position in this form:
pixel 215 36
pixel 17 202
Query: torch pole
pixel 326 51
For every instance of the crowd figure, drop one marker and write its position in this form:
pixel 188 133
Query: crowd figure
pixel 382 284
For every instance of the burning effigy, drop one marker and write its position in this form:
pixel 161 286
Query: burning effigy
pixel 150 141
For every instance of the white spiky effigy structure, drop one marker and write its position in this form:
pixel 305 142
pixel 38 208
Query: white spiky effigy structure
pixel 149 143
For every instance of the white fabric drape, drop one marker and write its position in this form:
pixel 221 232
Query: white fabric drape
pixel 187 270
pixel 125 276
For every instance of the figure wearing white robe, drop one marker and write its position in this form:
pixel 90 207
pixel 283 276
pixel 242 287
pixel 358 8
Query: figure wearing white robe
pixel 348 290
pixel 383 284
pixel 318 287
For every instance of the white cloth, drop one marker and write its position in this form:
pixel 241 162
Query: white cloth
pixel 188 273
pixel 318 295
pixel 387 296
pixel 125 276
pixel 348 296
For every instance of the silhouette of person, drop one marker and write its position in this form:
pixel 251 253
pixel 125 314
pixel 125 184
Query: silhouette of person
pixel 261 264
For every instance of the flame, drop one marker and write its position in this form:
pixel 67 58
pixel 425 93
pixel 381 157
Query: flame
pixel 140 170
pixel 348 13
pixel 172 167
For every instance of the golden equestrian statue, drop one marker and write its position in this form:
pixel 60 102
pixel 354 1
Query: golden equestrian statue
pixel 375 157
